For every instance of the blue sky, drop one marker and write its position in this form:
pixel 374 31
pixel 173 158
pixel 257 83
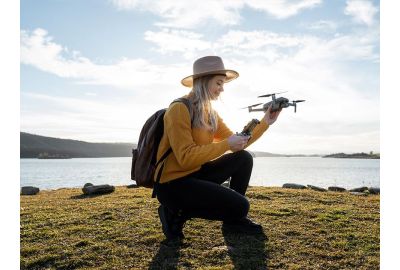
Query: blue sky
pixel 95 70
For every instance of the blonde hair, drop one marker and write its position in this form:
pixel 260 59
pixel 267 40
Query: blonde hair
pixel 200 98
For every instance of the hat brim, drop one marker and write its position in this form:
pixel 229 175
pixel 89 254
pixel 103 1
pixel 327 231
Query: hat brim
pixel 230 75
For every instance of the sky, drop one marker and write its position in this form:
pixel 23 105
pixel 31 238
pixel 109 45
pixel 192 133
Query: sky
pixel 95 70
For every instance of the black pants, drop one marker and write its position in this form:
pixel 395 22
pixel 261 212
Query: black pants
pixel 200 194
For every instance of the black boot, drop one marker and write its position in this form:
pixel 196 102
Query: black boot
pixel 172 224
pixel 244 225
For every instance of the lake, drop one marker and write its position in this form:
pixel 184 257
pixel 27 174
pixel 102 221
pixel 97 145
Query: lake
pixel 267 171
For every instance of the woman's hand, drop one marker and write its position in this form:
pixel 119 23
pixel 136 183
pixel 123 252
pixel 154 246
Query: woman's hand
pixel 270 117
pixel 237 143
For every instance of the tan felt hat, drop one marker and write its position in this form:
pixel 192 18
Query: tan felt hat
pixel 209 65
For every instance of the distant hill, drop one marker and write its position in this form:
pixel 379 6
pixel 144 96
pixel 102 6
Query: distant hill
pixel 355 155
pixel 31 146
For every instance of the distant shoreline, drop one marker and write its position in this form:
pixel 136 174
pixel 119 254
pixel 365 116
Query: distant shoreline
pixel 355 155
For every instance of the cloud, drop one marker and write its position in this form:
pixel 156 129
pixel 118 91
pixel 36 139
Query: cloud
pixel 186 14
pixel 38 49
pixel 177 41
pixel 362 11
pixel 282 9
pixel 270 46
pixel 190 14
pixel 323 25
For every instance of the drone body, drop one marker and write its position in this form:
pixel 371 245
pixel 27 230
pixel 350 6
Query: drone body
pixel 276 104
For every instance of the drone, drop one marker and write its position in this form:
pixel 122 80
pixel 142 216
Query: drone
pixel 276 103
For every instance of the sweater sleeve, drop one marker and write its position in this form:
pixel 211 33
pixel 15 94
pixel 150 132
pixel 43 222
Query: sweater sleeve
pixel 179 131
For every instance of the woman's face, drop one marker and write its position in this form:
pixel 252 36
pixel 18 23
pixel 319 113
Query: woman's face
pixel 216 86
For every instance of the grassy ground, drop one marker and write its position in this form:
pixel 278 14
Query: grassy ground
pixel 303 229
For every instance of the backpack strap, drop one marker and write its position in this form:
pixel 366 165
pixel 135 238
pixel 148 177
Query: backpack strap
pixel 169 151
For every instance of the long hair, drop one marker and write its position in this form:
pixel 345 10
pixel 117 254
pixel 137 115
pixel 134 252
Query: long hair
pixel 201 103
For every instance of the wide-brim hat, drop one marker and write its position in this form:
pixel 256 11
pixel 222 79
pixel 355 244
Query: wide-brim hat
pixel 209 65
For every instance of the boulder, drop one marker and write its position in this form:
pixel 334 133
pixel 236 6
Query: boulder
pixel 132 186
pixel 294 186
pixel 90 189
pixel 316 188
pixel 374 190
pixel 358 193
pixel 360 189
pixel 28 190
pixel 338 189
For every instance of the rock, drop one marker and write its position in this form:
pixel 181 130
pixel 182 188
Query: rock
pixel 294 186
pixel 316 188
pixel 358 193
pixel 132 186
pixel 28 190
pixel 90 189
pixel 223 248
pixel 374 190
pixel 338 189
pixel 360 189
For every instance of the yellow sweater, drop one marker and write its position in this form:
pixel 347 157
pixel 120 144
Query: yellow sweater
pixel 191 148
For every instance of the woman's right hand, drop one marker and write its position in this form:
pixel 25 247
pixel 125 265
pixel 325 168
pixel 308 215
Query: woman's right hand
pixel 237 143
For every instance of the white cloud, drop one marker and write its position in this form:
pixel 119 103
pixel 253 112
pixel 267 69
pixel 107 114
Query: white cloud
pixel 282 9
pixel 323 25
pixel 190 14
pixel 269 46
pixel 186 14
pixel 362 11
pixel 39 50
pixel 177 41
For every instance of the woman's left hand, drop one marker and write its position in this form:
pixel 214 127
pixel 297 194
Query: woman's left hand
pixel 270 117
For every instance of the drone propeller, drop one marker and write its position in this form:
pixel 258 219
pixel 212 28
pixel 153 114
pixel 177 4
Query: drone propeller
pixel 251 106
pixel 268 95
pixel 298 101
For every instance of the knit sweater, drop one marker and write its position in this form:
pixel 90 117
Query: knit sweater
pixel 192 147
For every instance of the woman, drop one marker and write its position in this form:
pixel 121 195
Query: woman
pixel 191 176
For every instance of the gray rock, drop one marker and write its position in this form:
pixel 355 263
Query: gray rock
pixel 28 190
pixel 99 189
pixel 374 190
pixel 360 189
pixel 316 188
pixel 338 189
pixel 88 185
pixel 358 193
pixel 132 186
pixel 294 186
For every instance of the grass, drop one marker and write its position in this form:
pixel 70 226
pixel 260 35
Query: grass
pixel 303 229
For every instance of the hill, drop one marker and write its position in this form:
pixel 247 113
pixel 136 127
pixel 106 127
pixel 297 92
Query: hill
pixel 31 146
pixel 355 155
pixel 303 229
